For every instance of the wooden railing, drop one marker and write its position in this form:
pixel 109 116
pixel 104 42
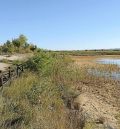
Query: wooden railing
pixel 11 73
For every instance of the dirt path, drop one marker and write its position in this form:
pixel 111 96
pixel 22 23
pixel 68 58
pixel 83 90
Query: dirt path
pixel 4 66
pixel 15 57
pixel 21 57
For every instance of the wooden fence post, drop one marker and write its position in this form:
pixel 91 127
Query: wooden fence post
pixel 1 79
pixel 17 70
pixel 22 67
pixel 9 72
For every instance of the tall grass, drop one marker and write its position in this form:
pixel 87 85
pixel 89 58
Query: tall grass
pixel 35 100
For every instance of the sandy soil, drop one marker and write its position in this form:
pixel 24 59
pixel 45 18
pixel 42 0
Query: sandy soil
pixel 15 57
pixel 4 66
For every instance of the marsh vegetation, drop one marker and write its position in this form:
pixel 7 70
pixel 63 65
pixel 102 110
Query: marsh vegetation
pixel 57 92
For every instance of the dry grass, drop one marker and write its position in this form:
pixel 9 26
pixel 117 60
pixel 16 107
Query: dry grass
pixel 37 101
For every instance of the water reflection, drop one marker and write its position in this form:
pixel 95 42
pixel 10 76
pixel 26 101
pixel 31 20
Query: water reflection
pixel 109 61
pixel 113 75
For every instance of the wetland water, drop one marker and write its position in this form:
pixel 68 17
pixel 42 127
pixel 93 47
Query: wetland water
pixel 113 75
pixel 109 61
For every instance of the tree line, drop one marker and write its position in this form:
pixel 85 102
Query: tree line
pixel 17 45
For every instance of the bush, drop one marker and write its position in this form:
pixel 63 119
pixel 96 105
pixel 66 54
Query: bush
pixel 40 62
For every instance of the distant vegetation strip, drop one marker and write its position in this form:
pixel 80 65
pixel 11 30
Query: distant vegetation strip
pixel 91 52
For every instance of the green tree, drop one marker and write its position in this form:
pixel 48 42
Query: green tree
pixel 33 47
pixel 5 48
pixel 8 43
pixel 23 40
pixel 16 43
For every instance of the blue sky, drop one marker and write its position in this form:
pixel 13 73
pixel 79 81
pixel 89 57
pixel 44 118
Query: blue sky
pixel 62 24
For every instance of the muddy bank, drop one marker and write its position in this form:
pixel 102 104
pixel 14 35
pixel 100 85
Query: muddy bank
pixel 88 111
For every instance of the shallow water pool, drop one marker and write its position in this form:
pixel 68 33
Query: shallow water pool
pixel 113 75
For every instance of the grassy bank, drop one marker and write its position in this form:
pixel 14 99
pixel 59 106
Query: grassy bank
pixel 45 96
pixel 36 103
pixel 38 99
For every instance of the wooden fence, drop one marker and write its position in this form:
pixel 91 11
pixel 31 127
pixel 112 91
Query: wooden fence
pixel 11 73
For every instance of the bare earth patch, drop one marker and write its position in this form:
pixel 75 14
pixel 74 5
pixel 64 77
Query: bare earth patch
pixel 4 66
pixel 20 57
pixel 15 57
pixel 97 110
